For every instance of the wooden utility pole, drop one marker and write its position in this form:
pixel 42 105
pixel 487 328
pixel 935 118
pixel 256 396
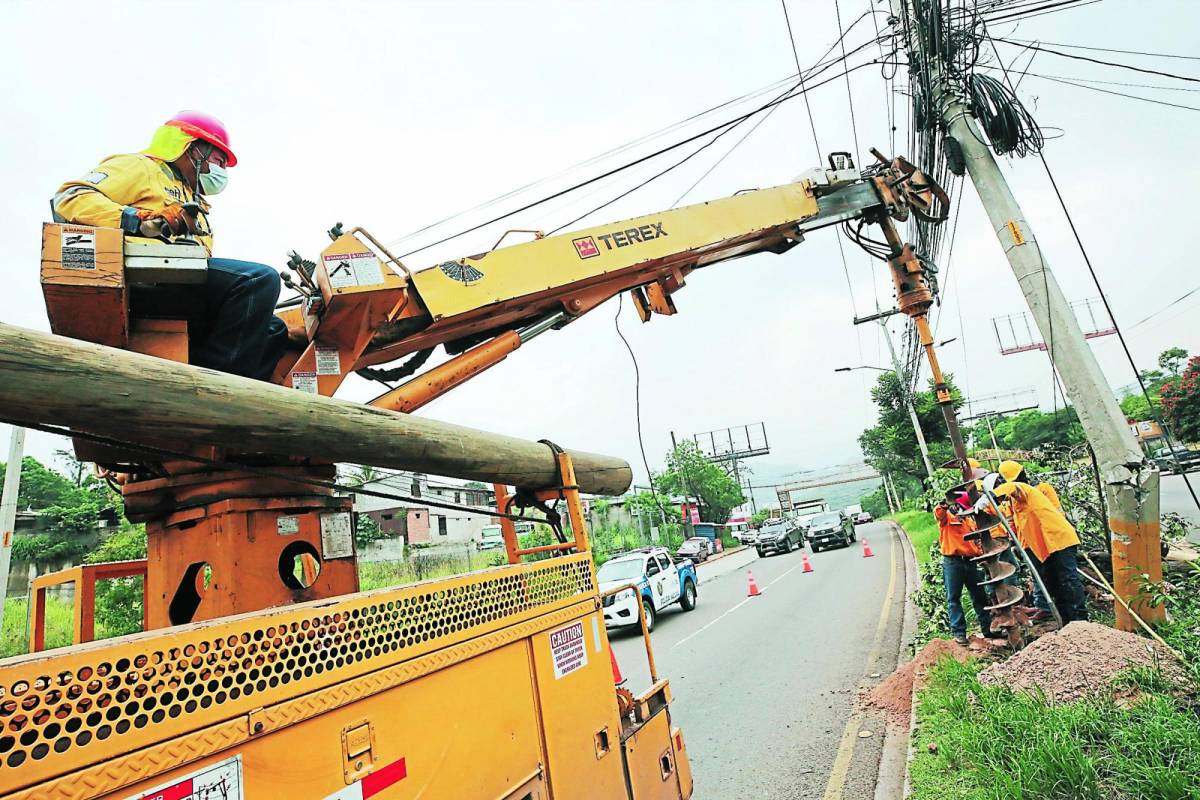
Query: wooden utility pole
pixel 8 509
pixel 138 399
pixel 1131 484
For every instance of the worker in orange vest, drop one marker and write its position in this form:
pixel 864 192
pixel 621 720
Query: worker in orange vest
pixel 959 572
pixel 1047 536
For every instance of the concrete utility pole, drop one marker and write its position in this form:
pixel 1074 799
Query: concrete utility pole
pixel 8 509
pixel 908 400
pixel 1130 481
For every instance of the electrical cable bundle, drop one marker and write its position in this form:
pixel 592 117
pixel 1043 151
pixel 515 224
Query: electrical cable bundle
pixel 1009 126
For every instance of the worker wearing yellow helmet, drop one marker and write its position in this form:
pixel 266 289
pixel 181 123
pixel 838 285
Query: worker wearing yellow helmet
pixel 163 191
pixel 1050 539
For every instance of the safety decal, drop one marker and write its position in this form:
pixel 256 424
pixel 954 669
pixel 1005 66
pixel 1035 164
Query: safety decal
pixel 305 382
pixel 347 270
pixel 374 783
pixel 568 649
pixel 586 247
pixel 220 781
pixel 95 177
pixel 78 247
pixel 463 273
pixel 337 535
pixel 328 362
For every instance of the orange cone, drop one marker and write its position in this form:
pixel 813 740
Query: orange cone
pixel 867 549
pixel 618 679
pixel 754 591
pixel 804 557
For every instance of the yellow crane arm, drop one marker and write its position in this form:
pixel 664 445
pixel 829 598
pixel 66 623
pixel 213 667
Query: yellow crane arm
pixel 482 307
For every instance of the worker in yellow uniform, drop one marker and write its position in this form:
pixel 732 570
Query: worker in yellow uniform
pixel 163 191
pixel 959 572
pixel 1047 535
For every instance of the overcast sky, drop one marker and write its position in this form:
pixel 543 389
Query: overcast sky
pixel 395 115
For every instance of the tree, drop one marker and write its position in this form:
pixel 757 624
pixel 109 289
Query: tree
pixel 1181 402
pixel 891 444
pixel 1136 408
pixel 1172 359
pixel 1033 428
pixel 119 601
pixel 689 472
pixel 69 512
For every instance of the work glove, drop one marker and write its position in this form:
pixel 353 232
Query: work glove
pixel 173 220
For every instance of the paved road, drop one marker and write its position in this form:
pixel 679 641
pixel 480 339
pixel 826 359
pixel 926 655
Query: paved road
pixel 764 686
pixel 1175 497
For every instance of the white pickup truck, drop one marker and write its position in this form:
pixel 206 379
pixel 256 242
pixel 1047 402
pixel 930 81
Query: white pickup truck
pixel 661 581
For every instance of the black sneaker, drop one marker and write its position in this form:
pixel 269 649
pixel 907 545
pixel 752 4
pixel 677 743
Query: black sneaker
pixel 961 640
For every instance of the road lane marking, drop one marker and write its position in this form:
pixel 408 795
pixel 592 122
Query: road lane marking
pixel 845 751
pixel 708 625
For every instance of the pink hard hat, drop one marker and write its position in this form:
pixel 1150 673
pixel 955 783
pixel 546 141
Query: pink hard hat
pixel 206 128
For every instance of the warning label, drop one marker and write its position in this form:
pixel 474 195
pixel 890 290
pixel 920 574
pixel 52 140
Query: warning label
pixel 568 649
pixel 287 526
pixel 337 536
pixel 328 362
pixel 220 781
pixel 353 269
pixel 305 381
pixel 78 247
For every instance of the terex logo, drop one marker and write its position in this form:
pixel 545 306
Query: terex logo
pixel 642 233
pixel 586 247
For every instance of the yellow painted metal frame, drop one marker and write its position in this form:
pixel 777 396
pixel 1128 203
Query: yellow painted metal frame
pixel 350 638
pixel 554 261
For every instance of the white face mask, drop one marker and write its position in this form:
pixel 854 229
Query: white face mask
pixel 214 181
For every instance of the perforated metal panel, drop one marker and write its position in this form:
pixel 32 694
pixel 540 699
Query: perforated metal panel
pixel 66 709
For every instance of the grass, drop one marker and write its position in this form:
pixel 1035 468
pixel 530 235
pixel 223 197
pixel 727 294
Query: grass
pixel 14 638
pixel 996 744
pixel 922 531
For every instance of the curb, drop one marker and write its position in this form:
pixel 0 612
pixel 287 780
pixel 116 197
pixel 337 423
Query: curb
pixel 703 579
pixel 899 739
pixel 897 751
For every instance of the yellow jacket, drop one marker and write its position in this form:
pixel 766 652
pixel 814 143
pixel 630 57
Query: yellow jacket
pixel 1040 525
pixel 103 197
pixel 1051 495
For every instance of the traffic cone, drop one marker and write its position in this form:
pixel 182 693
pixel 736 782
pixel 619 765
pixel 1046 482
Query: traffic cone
pixel 867 549
pixel 618 679
pixel 754 591
pixel 807 566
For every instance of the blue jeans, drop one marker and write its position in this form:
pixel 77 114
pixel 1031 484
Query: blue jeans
pixel 1061 574
pixel 958 572
pixel 240 333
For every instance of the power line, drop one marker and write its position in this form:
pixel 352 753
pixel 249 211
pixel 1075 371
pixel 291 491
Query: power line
pixel 1111 50
pixel 1174 302
pixel 790 94
pixel 1118 94
pixel 1100 61
pixel 800 71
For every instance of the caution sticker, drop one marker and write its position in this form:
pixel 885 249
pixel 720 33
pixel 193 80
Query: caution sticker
pixel 305 381
pixel 287 526
pixel 346 270
pixel 328 361
pixel 220 781
pixel 78 247
pixel 568 649
pixel 337 535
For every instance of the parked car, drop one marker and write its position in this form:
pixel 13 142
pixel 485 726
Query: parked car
pixel 660 582
pixel 833 528
pixel 863 517
pixel 1177 459
pixel 748 537
pixel 781 536
pixel 695 549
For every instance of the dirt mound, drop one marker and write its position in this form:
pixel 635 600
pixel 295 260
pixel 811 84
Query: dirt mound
pixel 894 695
pixel 1079 660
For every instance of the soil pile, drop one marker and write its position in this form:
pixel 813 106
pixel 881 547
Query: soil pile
pixel 894 695
pixel 1079 660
